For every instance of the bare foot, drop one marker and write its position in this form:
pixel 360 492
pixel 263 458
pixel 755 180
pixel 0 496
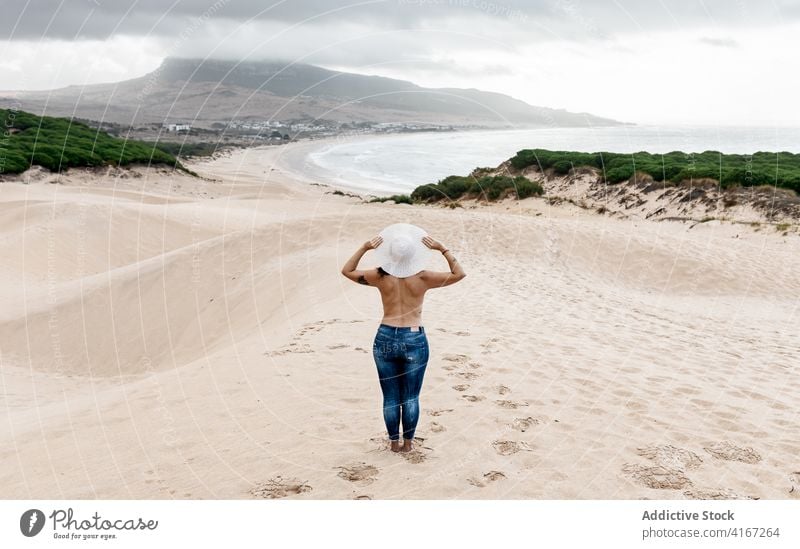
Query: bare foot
pixel 395 446
pixel 407 447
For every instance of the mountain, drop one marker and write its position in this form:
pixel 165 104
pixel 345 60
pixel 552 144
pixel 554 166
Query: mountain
pixel 204 92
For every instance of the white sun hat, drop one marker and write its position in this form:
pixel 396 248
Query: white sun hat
pixel 402 252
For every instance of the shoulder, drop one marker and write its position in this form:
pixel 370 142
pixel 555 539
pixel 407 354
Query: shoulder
pixel 372 276
pixel 437 279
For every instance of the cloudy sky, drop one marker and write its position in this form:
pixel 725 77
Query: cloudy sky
pixel 715 62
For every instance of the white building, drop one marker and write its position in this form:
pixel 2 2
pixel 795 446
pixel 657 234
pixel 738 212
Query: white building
pixel 178 127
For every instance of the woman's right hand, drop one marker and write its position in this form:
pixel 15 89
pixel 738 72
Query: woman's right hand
pixel 431 243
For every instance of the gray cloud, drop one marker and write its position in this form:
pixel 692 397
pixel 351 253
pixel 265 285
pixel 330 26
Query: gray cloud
pixel 572 19
pixel 344 43
pixel 102 18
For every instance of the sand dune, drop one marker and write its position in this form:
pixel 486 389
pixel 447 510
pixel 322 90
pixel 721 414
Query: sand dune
pixel 166 339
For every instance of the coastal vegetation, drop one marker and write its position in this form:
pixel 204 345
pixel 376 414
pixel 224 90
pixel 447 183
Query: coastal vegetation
pixel 60 143
pixel 491 187
pixel 185 149
pixel 781 169
pixel 397 198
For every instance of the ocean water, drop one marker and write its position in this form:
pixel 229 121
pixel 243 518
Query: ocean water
pixel 384 165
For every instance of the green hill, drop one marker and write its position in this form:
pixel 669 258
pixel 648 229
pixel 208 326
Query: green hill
pixel 60 143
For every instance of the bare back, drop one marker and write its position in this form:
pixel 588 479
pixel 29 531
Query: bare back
pixel 402 299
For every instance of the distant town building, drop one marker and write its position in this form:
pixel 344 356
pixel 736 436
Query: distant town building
pixel 177 127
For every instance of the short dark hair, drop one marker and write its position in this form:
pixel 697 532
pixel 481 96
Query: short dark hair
pixel 382 272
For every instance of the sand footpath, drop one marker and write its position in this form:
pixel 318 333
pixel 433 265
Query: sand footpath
pixel 168 337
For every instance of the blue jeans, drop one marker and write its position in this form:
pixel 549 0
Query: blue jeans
pixel 401 357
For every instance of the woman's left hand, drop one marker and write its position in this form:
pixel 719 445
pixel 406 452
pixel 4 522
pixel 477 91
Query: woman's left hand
pixel 373 243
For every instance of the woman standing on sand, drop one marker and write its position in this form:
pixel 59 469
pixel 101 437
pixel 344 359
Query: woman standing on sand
pixel 401 348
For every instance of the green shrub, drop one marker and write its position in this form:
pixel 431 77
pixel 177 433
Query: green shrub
pixel 401 198
pixel 449 188
pixel 398 198
pixel 425 193
pixel 489 187
pixel 620 173
pixel 526 188
pixel 562 167
pixel 59 143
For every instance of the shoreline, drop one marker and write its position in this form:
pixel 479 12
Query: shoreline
pixel 295 163
pixel 371 178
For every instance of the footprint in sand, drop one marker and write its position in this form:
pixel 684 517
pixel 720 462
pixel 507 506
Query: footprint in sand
pixel 509 447
pixel 458 333
pixel 338 321
pixel 308 328
pixel 473 398
pixel 439 412
pixel 461 333
pixel 491 476
pixel 671 457
pixel 361 473
pixel 490 346
pixel 714 494
pixel 363 496
pixel 502 389
pixel 457 358
pixel 437 427
pixel 292 348
pixel 279 487
pixel 730 452
pixel 460 387
pixel 414 456
pixel 522 424
pixel 464 375
pixel 510 404
pixel 657 477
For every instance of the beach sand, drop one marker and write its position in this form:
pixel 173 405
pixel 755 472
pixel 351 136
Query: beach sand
pixel 167 337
